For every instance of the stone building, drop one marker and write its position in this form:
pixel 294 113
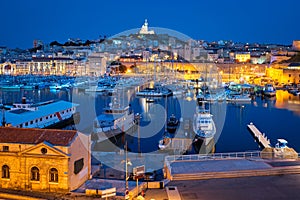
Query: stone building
pixel 285 74
pixel 43 159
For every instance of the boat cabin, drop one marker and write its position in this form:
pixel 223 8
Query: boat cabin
pixel 281 143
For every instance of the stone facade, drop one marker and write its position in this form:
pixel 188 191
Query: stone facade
pixel 284 75
pixel 45 166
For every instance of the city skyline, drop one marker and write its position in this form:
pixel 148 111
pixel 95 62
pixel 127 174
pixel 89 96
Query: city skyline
pixel 258 21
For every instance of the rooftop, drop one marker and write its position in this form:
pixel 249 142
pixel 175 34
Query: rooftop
pixel 36 136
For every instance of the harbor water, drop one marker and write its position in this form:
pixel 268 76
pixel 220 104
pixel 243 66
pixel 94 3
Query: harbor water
pixel 277 117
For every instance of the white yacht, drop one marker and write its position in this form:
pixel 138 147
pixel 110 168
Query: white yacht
pixel 203 126
pixel 114 120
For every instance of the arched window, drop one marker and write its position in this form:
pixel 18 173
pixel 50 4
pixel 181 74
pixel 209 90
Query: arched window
pixel 53 175
pixel 35 174
pixel 5 171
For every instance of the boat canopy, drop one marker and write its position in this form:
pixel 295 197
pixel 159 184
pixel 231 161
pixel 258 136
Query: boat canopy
pixel 281 143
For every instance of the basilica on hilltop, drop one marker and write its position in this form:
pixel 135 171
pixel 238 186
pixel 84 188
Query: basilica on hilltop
pixel 144 29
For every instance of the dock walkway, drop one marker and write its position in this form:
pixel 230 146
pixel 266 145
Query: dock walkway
pixel 260 137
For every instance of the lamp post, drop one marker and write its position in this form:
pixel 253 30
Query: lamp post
pixel 127 162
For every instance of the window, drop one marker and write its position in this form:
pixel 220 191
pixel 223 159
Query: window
pixel 53 175
pixel 78 165
pixel 5 171
pixel 35 174
pixel 44 150
pixel 26 124
pixel 31 122
pixel 289 75
pixel 5 148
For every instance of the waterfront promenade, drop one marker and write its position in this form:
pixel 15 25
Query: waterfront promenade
pixel 217 176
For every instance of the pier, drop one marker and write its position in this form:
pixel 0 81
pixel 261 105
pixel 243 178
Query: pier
pixel 261 138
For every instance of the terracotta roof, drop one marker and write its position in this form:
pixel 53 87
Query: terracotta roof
pixel 36 136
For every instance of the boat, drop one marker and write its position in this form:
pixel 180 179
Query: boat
pixel 28 87
pixel 114 120
pixel 55 87
pixel 50 114
pixel 172 123
pixel 12 87
pixel 164 142
pixel 157 91
pixel 203 125
pixel 238 98
pixel 269 90
pixel 294 90
pixel 281 143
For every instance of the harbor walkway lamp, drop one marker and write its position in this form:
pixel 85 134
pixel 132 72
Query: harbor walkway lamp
pixel 127 162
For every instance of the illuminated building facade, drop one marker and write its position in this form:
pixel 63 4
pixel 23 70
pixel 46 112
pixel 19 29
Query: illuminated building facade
pixel 43 159
pixel 242 57
pixel 285 75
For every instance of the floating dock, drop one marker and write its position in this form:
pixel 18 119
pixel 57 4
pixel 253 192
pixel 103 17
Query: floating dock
pixel 261 138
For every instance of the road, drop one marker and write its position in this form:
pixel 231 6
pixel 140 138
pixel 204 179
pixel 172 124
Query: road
pixel 262 187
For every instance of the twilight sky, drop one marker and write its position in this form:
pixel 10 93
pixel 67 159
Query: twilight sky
pixel 263 21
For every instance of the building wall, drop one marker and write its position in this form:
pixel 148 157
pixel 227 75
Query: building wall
pixel 80 149
pixel 8 68
pixel 96 64
pixel 242 57
pixel 22 157
pixel 296 45
pixel 291 76
pixel 284 75
pixel 20 170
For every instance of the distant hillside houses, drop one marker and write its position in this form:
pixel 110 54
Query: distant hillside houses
pixel 92 57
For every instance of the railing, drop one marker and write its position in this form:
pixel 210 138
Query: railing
pixel 201 157
pixel 219 156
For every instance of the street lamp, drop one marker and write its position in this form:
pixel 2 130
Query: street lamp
pixel 127 162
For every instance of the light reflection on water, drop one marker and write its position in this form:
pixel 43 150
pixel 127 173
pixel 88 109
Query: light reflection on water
pixel 278 117
pixel 285 100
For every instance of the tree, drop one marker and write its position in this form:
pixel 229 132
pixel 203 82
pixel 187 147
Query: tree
pixel 55 43
pixel 122 68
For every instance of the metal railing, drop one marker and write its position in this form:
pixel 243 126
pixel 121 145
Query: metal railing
pixel 201 157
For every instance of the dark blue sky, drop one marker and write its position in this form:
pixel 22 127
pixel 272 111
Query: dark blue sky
pixel 263 21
